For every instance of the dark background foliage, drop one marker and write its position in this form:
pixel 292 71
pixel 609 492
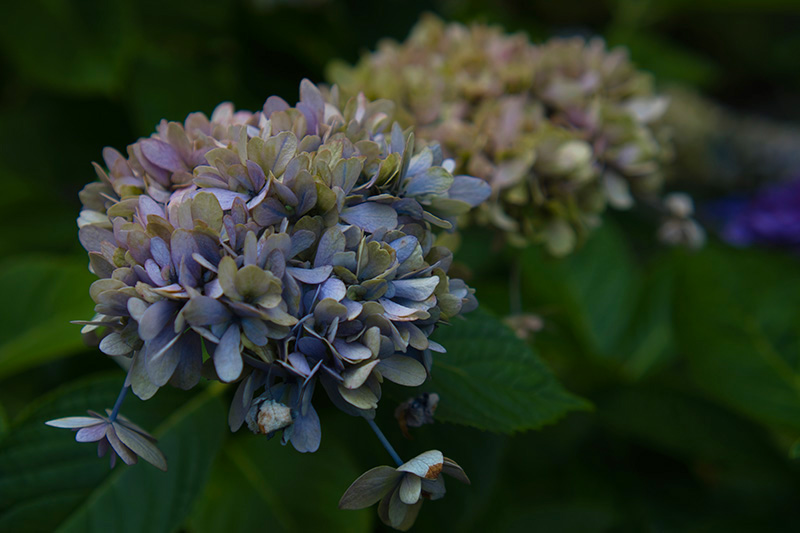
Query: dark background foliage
pixel 690 361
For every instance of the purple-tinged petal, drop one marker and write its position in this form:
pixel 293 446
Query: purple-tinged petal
pixel 162 357
pixel 370 216
pixel 473 191
pixel 205 311
pixel 301 241
pixel 92 237
pixel 148 206
pixel 155 319
pixel 255 330
pixel 310 276
pixel 227 356
pixel 227 197
pixel 160 251
pixel 162 155
pixel 154 273
pixel 140 382
pixel 299 362
pixel 313 347
pixel 352 351
pixel 331 243
pixel 333 288
pixel 417 289
pixel 141 446
pixel 274 104
pixel 124 453
pixel 306 431
pixel 190 362
pixel 91 433
pixel 404 247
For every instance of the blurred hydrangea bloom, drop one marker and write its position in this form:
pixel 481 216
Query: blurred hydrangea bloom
pixel 559 130
pixel 283 248
pixel 401 490
pixel 771 217
pixel 721 150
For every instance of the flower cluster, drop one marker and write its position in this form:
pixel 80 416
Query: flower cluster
pixel 559 130
pixel 279 249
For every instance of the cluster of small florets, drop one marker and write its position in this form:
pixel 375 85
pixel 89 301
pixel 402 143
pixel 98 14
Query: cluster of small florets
pixel 559 130
pixel 294 246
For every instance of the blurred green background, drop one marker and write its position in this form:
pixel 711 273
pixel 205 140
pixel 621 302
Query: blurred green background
pixel 690 361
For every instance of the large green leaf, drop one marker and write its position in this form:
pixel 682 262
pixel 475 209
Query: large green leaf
pixel 492 380
pixel 257 484
pixel 41 294
pixel 72 46
pixel 688 427
pixel 737 320
pixel 602 303
pixel 49 482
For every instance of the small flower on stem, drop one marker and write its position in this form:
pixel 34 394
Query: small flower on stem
pixel 400 490
pixel 126 439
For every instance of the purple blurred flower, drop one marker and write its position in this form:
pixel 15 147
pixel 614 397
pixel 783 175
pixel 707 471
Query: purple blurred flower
pixel 771 217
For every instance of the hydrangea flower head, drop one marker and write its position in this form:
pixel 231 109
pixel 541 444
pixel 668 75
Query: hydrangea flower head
pixel 293 246
pixel 559 130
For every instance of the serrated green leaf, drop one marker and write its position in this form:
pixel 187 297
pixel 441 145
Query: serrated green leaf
pixel 49 482
pixel 492 380
pixel 737 320
pixel 44 294
pixel 256 482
